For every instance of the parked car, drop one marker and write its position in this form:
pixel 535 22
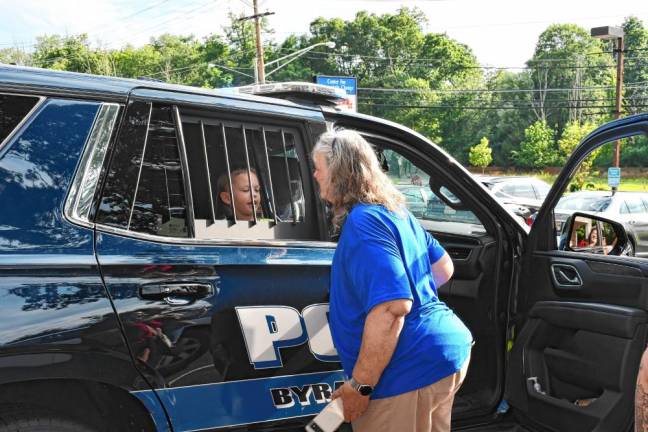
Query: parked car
pixel 524 194
pixel 629 208
pixel 131 301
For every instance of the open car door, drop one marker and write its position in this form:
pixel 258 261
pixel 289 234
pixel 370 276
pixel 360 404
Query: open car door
pixel 579 320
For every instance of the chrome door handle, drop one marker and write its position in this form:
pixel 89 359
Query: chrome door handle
pixel 566 276
pixel 176 293
pixel 573 280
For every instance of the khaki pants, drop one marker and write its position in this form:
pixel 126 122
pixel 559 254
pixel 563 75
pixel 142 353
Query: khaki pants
pixel 427 409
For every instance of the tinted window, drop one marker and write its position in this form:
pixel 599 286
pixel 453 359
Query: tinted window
pixel 160 206
pixel 119 190
pixel 433 212
pixel 12 110
pixel 144 190
pixel 246 179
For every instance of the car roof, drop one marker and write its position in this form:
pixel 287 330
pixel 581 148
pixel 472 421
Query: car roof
pixel 46 81
pixel 496 179
pixel 605 194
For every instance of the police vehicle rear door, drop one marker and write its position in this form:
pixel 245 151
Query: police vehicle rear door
pixel 226 317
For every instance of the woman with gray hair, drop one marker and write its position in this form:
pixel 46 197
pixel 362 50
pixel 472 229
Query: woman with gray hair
pixel 404 351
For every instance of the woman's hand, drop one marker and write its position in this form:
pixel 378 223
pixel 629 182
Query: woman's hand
pixel 354 403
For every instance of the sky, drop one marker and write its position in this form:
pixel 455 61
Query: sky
pixel 501 33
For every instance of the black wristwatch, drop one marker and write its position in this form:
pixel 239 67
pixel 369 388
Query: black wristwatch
pixel 363 389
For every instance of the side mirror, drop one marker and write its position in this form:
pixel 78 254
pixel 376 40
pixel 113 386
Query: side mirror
pixel 583 232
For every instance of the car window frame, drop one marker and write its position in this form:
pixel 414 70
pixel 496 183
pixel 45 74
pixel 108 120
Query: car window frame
pixel 410 153
pixel 270 124
pixel 303 144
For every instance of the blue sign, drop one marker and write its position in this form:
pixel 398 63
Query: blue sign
pixel 614 177
pixel 348 84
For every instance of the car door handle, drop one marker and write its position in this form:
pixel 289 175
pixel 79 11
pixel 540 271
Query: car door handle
pixel 566 276
pixel 176 293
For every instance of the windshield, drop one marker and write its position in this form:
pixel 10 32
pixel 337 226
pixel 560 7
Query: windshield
pixel 584 203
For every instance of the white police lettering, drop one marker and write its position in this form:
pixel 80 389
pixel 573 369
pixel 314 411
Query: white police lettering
pixel 319 333
pixel 267 329
pixel 319 393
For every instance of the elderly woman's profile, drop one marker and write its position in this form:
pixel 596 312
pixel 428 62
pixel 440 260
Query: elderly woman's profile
pixel 404 351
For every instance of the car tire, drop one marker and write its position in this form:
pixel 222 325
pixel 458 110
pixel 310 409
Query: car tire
pixel 30 419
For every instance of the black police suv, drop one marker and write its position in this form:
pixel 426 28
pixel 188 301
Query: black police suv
pixel 131 299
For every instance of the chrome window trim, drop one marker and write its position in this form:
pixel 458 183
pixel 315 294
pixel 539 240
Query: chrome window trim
pixel 78 204
pixel 41 100
pixel 211 243
pixel 184 165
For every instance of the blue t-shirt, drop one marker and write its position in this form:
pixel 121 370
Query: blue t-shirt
pixel 383 256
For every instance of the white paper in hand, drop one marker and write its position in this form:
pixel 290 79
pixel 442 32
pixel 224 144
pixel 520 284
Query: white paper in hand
pixel 329 420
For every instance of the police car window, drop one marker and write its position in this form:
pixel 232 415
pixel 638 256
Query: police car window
pixel 246 179
pixel 430 209
pixel 13 110
pixel 160 207
pixel 144 189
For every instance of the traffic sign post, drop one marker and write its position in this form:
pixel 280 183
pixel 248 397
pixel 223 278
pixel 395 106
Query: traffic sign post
pixel 614 177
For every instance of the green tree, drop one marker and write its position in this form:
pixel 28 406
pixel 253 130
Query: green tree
pixel 505 124
pixel 537 150
pixel 635 71
pixel 481 154
pixel 392 51
pixel 572 135
pixel 15 56
pixel 566 64
pixel 71 53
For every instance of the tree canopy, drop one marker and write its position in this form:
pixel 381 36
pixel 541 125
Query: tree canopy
pixel 427 81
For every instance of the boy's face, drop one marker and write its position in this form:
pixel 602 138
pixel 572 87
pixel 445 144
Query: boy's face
pixel 242 198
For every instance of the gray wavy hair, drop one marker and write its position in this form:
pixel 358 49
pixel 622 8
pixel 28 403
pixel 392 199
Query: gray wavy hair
pixel 355 175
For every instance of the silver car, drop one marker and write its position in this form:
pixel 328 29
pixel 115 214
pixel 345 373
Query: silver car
pixel 629 208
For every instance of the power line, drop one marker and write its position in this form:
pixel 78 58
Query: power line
pixel 468 107
pixel 548 90
pixel 186 16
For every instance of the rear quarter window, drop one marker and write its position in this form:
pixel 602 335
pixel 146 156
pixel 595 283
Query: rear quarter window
pixel 13 109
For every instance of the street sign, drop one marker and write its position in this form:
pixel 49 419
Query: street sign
pixel 614 177
pixel 349 84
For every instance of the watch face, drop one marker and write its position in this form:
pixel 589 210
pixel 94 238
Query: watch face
pixel 365 390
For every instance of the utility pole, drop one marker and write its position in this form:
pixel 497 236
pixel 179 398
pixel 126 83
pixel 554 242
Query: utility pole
pixel 619 94
pixel 259 62
pixel 617 34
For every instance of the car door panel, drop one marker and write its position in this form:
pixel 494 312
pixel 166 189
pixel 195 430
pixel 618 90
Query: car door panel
pixel 200 353
pixel 471 258
pixel 604 281
pixel 580 322
pixel 574 350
